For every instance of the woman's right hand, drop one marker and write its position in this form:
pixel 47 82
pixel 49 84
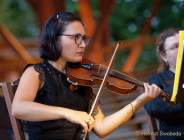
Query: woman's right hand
pixel 82 118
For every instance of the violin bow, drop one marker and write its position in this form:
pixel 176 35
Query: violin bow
pixel 102 84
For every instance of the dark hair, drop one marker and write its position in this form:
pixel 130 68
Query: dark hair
pixel 55 25
pixel 160 42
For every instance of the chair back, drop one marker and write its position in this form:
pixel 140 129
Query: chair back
pixel 8 93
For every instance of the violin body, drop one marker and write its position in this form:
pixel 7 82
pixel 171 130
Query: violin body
pixel 87 73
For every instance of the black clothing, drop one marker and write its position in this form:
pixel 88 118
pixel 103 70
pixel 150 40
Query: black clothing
pixel 56 92
pixel 170 117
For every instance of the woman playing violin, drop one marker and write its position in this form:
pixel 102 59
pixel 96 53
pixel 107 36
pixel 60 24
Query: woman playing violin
pixel 170 117
pixel 43 99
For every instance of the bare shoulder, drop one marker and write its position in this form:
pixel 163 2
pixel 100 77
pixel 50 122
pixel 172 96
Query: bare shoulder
pixel 28 85
pixel 30 70
pixel 30 76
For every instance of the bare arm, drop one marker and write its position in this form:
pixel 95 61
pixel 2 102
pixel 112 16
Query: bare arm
pixel 105 125
pixel 24 107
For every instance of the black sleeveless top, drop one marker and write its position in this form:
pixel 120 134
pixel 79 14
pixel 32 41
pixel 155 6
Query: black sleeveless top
pixel 56 92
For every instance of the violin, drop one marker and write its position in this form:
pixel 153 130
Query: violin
pixel 88 73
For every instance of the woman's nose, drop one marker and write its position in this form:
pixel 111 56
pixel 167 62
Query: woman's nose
pixel 82 45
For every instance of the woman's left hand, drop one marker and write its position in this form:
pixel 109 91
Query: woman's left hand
pixel 151 91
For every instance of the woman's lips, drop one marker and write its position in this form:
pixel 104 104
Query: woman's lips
pixel 80 53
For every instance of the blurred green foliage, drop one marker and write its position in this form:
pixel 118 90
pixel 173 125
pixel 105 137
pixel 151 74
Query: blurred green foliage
pixel 126 22
pixel 19 17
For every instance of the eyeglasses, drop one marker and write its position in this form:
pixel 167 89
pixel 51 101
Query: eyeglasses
pixel 79 38
pixel 175 46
